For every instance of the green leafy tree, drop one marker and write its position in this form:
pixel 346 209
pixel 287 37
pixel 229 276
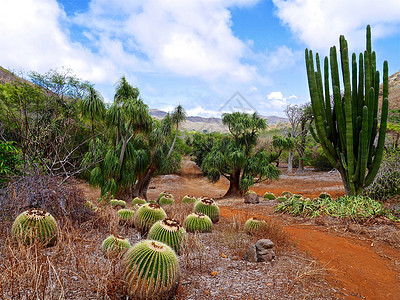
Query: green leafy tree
pixel 177 117
pixel 234 158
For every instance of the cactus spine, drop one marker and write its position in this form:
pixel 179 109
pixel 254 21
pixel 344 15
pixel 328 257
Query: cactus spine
pixel 170 232
pixel 347 130
pixel 35 226
pixel 151 270
pixel 198 222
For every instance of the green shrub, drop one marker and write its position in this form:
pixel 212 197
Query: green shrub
pixel 324 195
pixel 151 271
pixel 170 232
pixel 10 161
pixel 319 161
pixel 35 226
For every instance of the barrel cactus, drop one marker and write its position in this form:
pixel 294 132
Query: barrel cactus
pixel 118 203
pixel 115 246
pixel 198 222
pixel 139 200
pixel 269 196
pixel 281 199
pixel 151 271
pixel 35 226
pixel 147 215
pixel 126 216
pixel 167 199
pixel 208 207
pixel 162 194
pixel 170 232
pixel 252 225
pixel 188 199
pixel 324 195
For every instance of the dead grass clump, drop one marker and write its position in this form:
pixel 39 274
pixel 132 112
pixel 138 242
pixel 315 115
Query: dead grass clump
pixel 39 191
pixel 178 211
pixel 276 234
pixel 74 268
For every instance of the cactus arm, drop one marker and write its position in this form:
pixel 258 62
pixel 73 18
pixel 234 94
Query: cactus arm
pixel 363 144
pixel 360 100
pixel 313 134
pixel 328 109
pixel 381 143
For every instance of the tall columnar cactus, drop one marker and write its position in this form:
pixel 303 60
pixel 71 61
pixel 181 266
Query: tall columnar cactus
pixel 170 232
pixel 208 207
pixel 347 128
pixel 151 270
pixel 198 222
pixel 147 215
pixel 35 226
pixel 115 246
pixel 252 225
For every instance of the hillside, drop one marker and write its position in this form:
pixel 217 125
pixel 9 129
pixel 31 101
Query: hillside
pixel 8 77
pixel 394 91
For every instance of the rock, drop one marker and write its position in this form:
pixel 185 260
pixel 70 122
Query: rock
pixel 251 198
pixel 264 250
pixel 250 254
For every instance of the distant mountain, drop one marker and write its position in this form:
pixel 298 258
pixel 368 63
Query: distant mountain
pixel 394 91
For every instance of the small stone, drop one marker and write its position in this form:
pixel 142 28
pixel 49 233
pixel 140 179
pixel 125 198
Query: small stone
pixel 252 198
pixel 223 256
pixel 213 274
pixel 250 254
pixel 264 250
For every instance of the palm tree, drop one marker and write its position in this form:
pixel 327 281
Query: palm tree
pixel 178 116
pixel 92 107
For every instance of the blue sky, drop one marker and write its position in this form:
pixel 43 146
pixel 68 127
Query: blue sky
pixel 195 53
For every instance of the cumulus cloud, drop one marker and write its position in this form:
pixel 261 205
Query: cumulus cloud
pixel 318 23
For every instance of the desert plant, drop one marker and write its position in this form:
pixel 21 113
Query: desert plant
pixel 281 199
pixel 118 203
pixel 162 194
pixel 139 200
pixel 115 246
pixel 198 222
pixel 166 200
pixel 324 195
pixel 208 207
pixel 170 232
pixel 189 199
pixel 347 131
pixel 254 224
pixel 126 217
pixel 151 270
pixel 35 226
pixel 147 215
pixel 269 196
pixel 250 192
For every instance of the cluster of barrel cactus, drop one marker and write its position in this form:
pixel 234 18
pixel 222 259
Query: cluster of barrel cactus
pixel 208 207
pixel 35 226
pixel 118 203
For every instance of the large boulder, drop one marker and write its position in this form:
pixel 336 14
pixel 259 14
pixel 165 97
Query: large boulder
pixel 264 250
pixel 251 198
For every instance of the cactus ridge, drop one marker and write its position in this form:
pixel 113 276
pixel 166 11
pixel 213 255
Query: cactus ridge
pixel 126 216
pixel 198 222
pixel 208 207
pixel 167 199
pixel 254 224
pixel 151 270
pixel 147 215
pixel 170 232
pixel 35 226
pixel 114 245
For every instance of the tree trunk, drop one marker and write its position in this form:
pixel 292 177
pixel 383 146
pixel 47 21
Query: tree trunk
pixel 290 162
pixel 142 185
pixel 234 189
pixel 173 143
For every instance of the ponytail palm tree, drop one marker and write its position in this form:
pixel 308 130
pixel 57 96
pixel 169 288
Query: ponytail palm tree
pixel 177 117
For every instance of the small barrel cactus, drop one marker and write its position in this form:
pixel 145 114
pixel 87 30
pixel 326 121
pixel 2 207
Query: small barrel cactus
pixel 167 199
pixel 208 207
pixel 170 232
pixel 151 271
pixel 89 204
pixel 286 194
pixel 126 217
pixel 35 226
pixel 115 246
pixel 269 196
pixel 118 203
pixel 252 225
pixel 198 222
pixel 147 215
pixel 324 195
pixel 162 194
pixel 189 199
pixel 139 200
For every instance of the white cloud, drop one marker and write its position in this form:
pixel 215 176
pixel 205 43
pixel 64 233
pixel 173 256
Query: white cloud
pixel 318 23
pixel 200 111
